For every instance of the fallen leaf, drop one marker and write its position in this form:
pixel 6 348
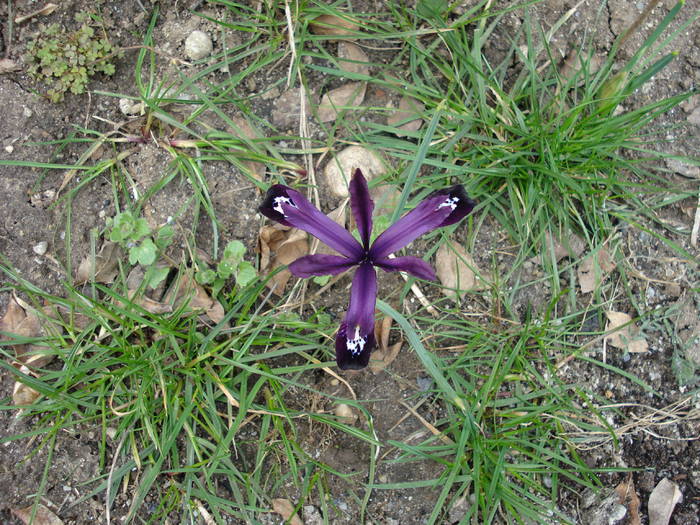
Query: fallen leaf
pixel 384 355
pixel 22 320
pixel 574 63
pixel 284 508
pixel 186 291
pixel 594 269
pixel 352 59
pixel 280 245
pixel 409 115
pixel 339 170
pixel 8 66
pixel 148 304
pixel 23 394
pixel 44 11
pixel 624 334
pixel 568 246
pixel 453 266
pixel 43 516
pixel 338 99
pixel 332 25
pixel 628 497
pixel 104 267
pixel 662 501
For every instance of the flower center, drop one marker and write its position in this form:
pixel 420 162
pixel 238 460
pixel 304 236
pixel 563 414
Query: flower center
pixel 357 343
pixel 451 202
pixel 277 206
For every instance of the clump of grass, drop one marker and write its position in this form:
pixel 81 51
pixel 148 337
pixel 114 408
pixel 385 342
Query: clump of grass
pixel 66 60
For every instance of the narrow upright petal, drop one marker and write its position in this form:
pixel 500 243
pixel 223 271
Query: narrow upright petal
pixel 413 265
pixel 319 264
pixel 291 208
pixel 441 208
pixel 355 338
pixel 362 206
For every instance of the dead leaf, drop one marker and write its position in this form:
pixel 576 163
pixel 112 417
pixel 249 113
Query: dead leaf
pixel 338 216
pixel 8 66
pixel 44 11
pixel 104 267
pixel 628 497
pixel 410 113
pixel 454 267
pixel 284 508
pixel 148 304
pixel 384 355
pixel 352 59
pixel 22 320
pixel 574 63
pixel 568 246
pixel 186 291
pixel 627 336
pixel 331 25
pixel 23 394
pixel 43 516
pixel 339 170
pixel 594 269
pixel 662 501
pixel 280 245
pixel 348 95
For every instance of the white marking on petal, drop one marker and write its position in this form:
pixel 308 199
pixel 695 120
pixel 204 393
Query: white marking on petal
pixel 451 202
pixel 277 206
pixel 357 343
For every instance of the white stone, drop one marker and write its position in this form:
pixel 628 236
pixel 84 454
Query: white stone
pixel 198 45
pixel 40 248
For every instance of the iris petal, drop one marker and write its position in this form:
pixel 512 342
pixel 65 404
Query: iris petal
pixel 362 206
pixel 441 208
pixel 413 265
pixel 291 208
pixel 319 264
pixel 355 338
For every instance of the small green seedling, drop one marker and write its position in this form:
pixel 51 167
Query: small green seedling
pixel 230 265
pixel 65 61
pixel 135 235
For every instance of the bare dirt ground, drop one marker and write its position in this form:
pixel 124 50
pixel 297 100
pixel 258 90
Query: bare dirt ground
pixel 667 447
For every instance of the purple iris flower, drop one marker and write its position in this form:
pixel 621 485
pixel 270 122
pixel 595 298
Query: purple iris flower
pixel 355 338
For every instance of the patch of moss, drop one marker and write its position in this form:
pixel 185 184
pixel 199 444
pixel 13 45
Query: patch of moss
pixel 65 61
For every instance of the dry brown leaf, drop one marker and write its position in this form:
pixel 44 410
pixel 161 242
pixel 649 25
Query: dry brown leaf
pixel 627 336
pixel 188 291
pixel 662 501
pixel 384 355
pixel 352 59
pixel 568 246
pixel 454 267
pixel 338 216
pixel 44 11
pixel 628 497
pixel 105 265
pixel 594 269
pixel 148 304
pixel 331 25
pixel 43 516
pixel 351 94
pixel 574 62
pixel 284 508
pixel 8 66
pixel 339 170
pixel 410 112
pixel 23 394
pixel 23 320
pixel 276 250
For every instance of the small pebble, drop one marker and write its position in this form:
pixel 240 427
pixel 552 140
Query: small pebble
pixel 10 148
pixel 40 248
pixel 198 45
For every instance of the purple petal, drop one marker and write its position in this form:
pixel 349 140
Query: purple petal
pixel 440 208
pixel 320 265
pixel 355 338
pixel 413 265
pixel 291 208
pixel 362 206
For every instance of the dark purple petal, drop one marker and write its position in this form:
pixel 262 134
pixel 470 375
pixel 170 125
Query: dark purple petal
pixel 362 206
pixel 320 265
pixel 291 208
pixel 440 208
pixel 355 338
pixel 413 265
